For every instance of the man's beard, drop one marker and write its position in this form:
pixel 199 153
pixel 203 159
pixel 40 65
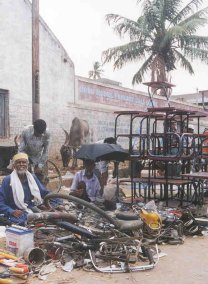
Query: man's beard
pixel 21 172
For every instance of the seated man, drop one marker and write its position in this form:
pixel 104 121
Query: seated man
pixel 20 191
pixel 101 168
pixel 90 179
pixel 81 191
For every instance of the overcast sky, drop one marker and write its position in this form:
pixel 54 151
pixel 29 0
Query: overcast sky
pixel 81 28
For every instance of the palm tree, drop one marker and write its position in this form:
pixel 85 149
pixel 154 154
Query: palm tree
pixel 96 72
pixel 164 35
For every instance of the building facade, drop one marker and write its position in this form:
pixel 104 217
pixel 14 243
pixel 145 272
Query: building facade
pixel 200 98
pixel 62 95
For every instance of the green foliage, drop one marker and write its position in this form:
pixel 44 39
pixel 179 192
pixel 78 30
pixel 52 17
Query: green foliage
pixel 164 35
pixel 96 72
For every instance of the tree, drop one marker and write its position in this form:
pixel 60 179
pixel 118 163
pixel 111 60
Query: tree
pixel 96 72
pixel 165 34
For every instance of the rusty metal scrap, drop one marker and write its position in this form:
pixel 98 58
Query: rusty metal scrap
pixel 48 216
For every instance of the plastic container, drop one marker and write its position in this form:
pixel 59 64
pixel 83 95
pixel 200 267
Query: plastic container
pixel 18 239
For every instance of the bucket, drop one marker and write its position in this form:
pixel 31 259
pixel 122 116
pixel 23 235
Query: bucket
pixel 34 256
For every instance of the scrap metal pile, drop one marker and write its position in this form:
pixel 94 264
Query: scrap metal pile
pixel 80 234
pixel 125 240
pixel 88 235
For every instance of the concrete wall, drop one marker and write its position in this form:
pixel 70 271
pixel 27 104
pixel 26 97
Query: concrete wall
pixel 56 72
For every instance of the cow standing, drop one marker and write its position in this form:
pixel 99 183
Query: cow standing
pixel 77 136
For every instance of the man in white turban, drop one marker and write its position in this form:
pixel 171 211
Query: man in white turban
pixel 20 191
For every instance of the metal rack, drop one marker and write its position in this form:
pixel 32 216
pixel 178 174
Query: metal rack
pixel 163 87
pixel 158 144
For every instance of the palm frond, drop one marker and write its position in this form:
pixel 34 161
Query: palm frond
pixel 90 74
pixel 172 33
pixel 196 53
pixel 181 32
pixel 171 9
pixel 194 24
pixel 124 26
pixel 96 72
pixel 188 9
pixel 138 77
pixel 200 15
pixel 184 62
pixel 122 54
pixel 97 66
pixel 194 41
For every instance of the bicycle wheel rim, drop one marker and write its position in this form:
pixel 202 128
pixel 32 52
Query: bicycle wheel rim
pixel 58 176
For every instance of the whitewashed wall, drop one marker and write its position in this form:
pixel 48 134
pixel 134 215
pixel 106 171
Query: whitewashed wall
pixel 56 72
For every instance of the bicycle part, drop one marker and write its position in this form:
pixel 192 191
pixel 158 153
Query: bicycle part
pixel 75 229
pixel 147 253
pixel 127 259
pixel 92 216
pixel 191 226
pixel 53 177
pixel 172 233
pixel 48 216
pixel 87 213
pixel 126 216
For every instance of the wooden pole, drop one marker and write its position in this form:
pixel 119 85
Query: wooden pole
pixel 35 61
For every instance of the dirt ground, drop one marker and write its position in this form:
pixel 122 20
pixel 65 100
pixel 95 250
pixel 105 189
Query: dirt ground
pixel 185 263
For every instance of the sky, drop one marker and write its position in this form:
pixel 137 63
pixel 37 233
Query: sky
pixel 81 28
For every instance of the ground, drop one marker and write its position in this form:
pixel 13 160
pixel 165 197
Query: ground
pixel 185 263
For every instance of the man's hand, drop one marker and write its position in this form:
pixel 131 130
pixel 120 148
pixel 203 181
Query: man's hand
pixel 43 207
pixel 17 213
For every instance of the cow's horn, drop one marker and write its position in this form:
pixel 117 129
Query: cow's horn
pixel 66 143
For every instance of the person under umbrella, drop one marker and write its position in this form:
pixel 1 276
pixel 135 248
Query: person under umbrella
pixel 101 167
pixel 92 183
pixel 97 152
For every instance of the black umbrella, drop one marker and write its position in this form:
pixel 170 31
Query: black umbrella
pixel 102 152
